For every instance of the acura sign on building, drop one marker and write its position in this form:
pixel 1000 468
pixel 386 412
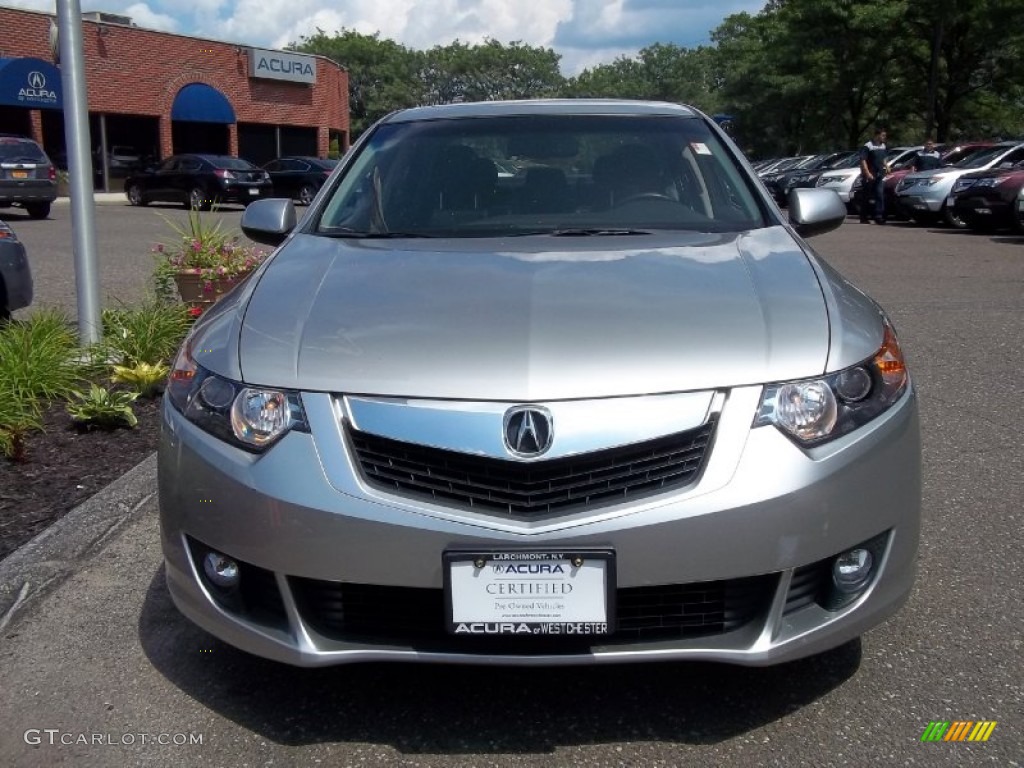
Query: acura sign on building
pixel 278 65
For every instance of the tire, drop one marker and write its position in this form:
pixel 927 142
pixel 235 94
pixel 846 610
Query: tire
pixel 134 194
pixel 951 219
pixel 37 210
pixel 306 194
pixel 198 200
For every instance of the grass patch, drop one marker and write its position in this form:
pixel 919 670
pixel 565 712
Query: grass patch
pixel 35 357
pixel 149 334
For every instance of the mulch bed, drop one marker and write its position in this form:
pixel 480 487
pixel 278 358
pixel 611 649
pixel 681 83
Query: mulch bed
pixel 63 467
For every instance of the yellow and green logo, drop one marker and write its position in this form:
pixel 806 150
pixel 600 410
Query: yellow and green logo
pixel 958 730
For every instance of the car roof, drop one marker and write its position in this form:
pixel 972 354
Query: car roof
pixel 542 107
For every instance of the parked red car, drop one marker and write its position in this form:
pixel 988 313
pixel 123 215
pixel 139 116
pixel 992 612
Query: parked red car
pixel 992 199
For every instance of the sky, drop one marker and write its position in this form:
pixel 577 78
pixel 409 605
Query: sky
pixel 584 32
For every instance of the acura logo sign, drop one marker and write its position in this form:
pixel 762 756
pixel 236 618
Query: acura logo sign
pixel 528 430
pixel 35 89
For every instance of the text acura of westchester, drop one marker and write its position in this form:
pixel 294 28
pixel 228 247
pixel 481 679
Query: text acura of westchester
pixel 537 383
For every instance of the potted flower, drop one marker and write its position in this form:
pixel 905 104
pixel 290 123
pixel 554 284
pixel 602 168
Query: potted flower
pixel 203 262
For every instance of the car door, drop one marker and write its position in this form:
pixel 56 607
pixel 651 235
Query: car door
pixel 158 185
pixel 292 177
pixel 188 176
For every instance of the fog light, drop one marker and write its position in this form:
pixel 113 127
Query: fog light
pixel 221 570
pixel 852 569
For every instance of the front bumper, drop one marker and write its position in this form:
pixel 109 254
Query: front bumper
pixel 922 202
pixel 763 508
pixel 981 212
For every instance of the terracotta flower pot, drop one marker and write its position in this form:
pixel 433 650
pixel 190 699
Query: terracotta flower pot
pixel 198 291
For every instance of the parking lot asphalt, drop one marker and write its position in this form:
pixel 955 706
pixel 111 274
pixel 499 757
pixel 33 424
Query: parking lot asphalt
pixel 99 668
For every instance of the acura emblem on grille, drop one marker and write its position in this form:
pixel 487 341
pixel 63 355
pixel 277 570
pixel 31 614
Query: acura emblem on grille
pixel 528 430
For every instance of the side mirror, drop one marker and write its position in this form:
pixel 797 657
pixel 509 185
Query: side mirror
pixel 269 221
pixel 815 211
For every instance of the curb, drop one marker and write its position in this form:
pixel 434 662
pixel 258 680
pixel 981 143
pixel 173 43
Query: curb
pixel 46 561
pixel 100 197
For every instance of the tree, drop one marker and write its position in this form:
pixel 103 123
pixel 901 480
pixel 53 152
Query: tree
pixel 381 73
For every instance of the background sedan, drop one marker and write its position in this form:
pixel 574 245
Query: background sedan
pixel 199 181
pixel 299 178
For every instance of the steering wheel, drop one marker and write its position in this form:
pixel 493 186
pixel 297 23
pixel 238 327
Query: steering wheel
pixel 645 196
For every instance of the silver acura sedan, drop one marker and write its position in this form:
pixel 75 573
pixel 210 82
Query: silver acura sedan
pixel 607 406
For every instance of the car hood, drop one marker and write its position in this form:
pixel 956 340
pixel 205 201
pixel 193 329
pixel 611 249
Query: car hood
pixel 535 318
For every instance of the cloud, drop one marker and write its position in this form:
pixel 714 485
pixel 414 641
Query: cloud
pixel 142 15
pixel 585 33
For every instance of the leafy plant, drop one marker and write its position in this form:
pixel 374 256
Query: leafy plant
pixel 148 334
pixel 18 416
pixel 36 356
pixel 144 378
pixel 102 408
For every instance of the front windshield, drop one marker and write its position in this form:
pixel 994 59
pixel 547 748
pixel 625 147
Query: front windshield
pixel 981 158
pixel 540 174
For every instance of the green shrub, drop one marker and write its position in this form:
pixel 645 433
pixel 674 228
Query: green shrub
pixel 150 333
pixel 36 356
pixel 18 416
pixel 102 408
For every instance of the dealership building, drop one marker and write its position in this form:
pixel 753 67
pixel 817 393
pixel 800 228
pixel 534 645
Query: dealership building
pixel 157 94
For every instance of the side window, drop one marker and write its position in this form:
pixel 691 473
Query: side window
pixel 169 165
pixel 190 166
pixel 273 165
pixel 300 166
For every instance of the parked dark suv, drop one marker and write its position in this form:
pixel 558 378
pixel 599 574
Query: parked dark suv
pixel 27 177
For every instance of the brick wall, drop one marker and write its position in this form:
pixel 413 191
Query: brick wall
pixel 139 72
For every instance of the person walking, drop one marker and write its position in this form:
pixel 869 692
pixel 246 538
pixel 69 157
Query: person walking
pixel 873 170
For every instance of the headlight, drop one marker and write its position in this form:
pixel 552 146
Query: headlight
pixel 814 411
pixel 253 418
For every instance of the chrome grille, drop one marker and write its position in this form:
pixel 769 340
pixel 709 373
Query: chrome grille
pixel 528 490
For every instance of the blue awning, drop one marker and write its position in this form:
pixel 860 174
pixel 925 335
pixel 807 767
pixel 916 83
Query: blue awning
pixel 30 83
pixel 201 103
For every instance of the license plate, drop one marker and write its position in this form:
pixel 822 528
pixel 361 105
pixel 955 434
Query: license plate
pixel 19 174
pixel 983 210
pixel 253 191
pixel 537 593
pixel 949 201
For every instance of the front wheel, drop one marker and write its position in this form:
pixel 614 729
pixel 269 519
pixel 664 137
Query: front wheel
pixel 135 195
pixel 952 219
pixel 306 194
pixel 38 210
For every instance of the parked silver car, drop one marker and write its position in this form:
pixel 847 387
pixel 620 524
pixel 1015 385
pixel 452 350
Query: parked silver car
pixel 926 196
pixel 15 275
pixel 610 408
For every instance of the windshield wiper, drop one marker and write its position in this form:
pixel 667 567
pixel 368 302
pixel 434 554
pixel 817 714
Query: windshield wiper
pixel 596 232
pixel 357 234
